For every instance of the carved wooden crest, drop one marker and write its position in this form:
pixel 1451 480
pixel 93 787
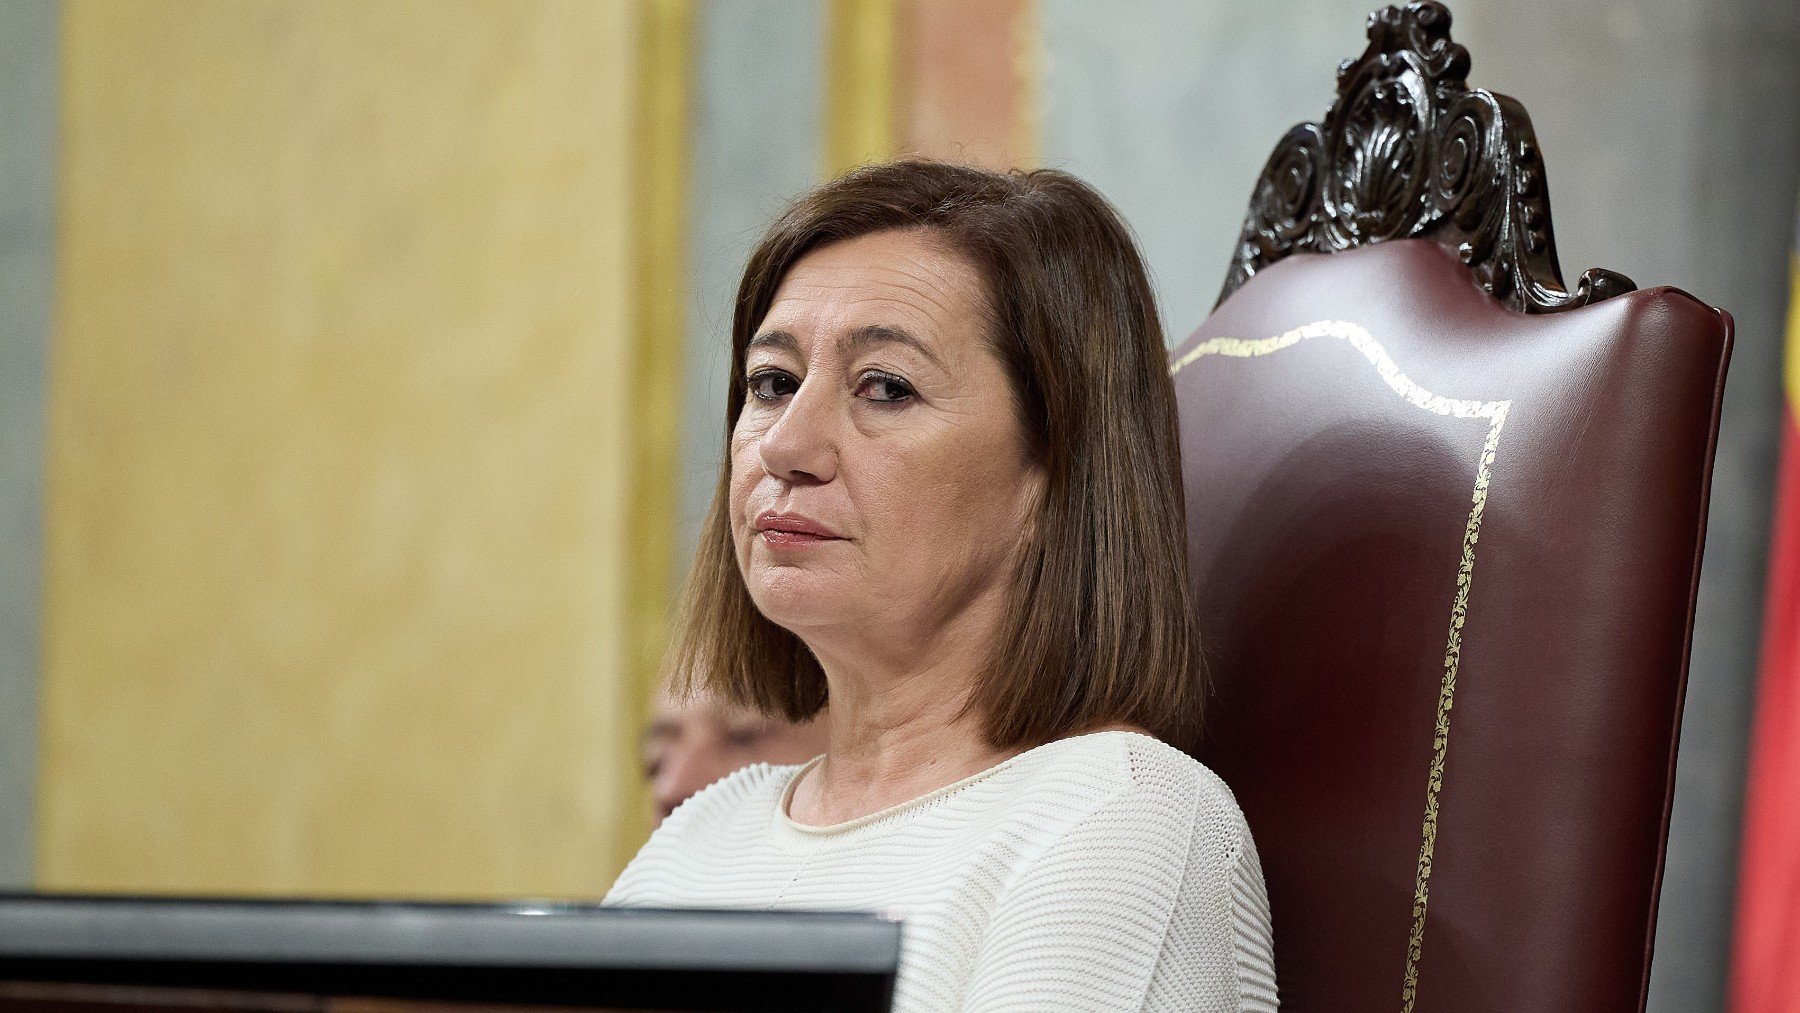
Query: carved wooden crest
pixel 1408 149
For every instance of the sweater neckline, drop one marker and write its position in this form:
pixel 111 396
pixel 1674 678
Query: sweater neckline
pixel 901 808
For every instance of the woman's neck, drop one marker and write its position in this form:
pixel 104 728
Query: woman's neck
pixel 898 725
pixel 892 745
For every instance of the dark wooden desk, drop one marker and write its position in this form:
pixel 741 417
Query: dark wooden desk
pixel 104 955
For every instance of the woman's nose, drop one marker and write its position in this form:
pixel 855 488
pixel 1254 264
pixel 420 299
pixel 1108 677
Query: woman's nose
pixel 801 447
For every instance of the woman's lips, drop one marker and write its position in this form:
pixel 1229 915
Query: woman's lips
pixel 786 530
pixel 792 539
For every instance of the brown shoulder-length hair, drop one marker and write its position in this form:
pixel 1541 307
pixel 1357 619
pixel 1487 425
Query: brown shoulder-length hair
pixel 1099 629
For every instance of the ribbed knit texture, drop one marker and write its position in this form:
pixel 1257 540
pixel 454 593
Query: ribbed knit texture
pixel 1102 872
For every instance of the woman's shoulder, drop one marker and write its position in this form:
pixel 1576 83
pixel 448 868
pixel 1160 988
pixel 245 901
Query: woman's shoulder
pixel 695 856
pixel 1129 761
pixel 1134 772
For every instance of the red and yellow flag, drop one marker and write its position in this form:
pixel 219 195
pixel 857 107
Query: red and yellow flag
pixel 1765 967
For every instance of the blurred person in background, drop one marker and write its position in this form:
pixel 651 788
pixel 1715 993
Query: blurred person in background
pixel 695 740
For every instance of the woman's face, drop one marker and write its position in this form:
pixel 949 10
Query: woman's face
pixel 880 481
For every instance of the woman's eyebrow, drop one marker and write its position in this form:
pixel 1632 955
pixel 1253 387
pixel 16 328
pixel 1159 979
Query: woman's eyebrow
pixel 879 334
pixel 778 340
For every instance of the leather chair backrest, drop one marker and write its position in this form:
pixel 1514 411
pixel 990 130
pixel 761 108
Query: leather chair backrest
pixel 1445 553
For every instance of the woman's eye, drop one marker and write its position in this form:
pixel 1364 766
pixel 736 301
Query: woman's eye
pixel 772 385
pixel 884 389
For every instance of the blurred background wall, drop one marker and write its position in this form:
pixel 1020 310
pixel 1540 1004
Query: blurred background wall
pixel 353 365
pixel 361 366
pixel 27 151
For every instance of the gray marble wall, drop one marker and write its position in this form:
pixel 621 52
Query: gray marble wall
pixel 27 150
pixel 1671 132
pixel 756 144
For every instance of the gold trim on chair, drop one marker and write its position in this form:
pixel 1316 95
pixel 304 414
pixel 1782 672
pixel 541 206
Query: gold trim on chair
pixel 1495 413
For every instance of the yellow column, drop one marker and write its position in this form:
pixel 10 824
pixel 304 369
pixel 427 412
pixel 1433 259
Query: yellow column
pixel 665 42
pixel 861 57
pixel 349 392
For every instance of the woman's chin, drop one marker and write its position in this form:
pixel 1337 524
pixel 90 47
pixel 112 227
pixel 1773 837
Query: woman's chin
pixel 797 599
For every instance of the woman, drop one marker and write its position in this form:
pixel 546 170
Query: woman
pixel 953 508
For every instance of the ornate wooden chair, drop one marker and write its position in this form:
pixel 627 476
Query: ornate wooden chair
pixel 1445 520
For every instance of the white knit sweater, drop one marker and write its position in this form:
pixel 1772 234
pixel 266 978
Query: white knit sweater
pixel 1101 872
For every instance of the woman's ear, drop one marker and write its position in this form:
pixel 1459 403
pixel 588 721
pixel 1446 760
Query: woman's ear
pixel 1030 503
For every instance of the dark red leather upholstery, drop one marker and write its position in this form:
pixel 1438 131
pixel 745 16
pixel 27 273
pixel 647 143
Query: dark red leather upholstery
pixel 1330 501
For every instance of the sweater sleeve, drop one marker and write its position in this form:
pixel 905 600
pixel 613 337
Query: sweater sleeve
pixel 1152 902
